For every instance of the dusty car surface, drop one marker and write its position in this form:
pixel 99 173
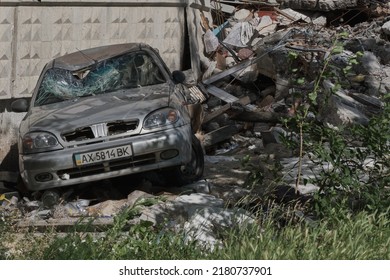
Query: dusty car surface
pixel 106 112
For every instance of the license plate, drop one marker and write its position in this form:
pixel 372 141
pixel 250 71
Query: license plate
pixel 103 155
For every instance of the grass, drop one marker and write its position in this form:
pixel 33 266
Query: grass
pixel 351 237
pixel 364 237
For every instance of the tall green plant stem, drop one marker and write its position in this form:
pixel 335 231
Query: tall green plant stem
pixel 312 97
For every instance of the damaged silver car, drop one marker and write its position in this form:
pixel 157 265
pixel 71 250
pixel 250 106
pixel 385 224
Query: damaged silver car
pixel 106 112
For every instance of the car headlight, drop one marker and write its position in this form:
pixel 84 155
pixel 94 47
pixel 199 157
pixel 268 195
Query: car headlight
pixel 36 142
pixel 161 117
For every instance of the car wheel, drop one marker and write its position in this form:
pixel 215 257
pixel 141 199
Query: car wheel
pixel 191 171
pixel 22 188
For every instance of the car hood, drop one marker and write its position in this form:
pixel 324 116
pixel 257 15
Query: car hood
pixel 122 105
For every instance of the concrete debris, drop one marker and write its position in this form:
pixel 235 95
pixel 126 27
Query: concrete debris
pixel 341 109
pixel 107 208
pixel 201 186
pixel 177 211
pixel 254 43
pixel 322 5
pixel 386 28
pixel 293 15
pixel 44 214
pixel 266 26
pixel 216 159
pixel 31 205
pixel 210 41
pixel 200 215
pixel 77 208
pixel 206 223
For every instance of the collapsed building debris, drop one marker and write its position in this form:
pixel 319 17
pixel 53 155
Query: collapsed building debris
pixel 247 44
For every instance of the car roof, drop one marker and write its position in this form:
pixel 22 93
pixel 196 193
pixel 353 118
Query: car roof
pixel 84 58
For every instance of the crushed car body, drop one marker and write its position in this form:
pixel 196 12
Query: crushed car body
pixel 105 112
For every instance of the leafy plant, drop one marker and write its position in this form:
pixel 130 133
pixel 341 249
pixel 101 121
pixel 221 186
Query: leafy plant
pixel 355 159
pixel 356 173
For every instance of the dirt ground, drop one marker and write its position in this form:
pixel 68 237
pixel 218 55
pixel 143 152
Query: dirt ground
pixel 224 170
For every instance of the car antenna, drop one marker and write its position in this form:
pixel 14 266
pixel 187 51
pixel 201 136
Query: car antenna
pixel 94 60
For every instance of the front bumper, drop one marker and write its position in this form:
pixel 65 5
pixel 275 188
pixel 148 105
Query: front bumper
pixel 58 168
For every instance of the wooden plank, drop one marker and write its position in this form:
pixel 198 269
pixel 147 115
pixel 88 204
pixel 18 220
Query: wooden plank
pixel 231 70
pixel 220 134
pixel 202 8
pixel 218 6
pixel 266 117
pixel 68 224
pixel 217 113
pixel 256 2
pixel 197 94
pixel 243 101
pixel 221 94
pixel 215 6
pixel 292 15
pixel 367 100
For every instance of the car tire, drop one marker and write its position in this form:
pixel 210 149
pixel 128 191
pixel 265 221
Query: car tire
pixel 22 188
pixel 190 172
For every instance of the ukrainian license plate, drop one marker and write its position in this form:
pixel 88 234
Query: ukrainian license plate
pixel 103 155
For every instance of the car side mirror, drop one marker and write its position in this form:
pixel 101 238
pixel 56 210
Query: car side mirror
pixel 19 106
pixel 178 76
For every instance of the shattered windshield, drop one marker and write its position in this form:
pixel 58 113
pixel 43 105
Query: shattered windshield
pixel 130 70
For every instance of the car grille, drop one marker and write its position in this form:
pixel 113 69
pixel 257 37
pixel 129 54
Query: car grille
pixel 111 128
pixel 105 167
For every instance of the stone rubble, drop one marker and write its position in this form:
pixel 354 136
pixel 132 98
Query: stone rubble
pixel 289 30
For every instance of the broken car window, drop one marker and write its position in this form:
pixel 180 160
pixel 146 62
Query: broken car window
pixel 127 71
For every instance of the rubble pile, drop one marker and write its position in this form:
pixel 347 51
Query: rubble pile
pixel 249 77
pixel 196 209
